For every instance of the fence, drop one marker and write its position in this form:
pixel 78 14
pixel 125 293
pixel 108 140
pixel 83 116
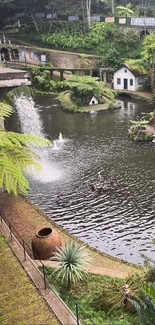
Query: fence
pixel 81 317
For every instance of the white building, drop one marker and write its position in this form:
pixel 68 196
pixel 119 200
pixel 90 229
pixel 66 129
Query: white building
pixel 94 101
pixel 127 79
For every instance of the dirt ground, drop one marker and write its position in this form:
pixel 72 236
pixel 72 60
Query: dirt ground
pixel 26 219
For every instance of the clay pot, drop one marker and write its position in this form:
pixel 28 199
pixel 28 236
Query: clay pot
pixel 45 242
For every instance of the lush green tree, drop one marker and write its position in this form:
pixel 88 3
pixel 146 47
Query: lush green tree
pixel 146 62
pixel 139 65
pixel 112 58
pixel 148 53
pixel 71 259
pixel 83 84
pixel 17 156
pixel 85 87
pixel 125 11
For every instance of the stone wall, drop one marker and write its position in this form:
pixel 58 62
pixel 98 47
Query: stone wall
pixel 58 59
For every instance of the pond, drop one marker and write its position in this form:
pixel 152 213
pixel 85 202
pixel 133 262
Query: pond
pixel 120 221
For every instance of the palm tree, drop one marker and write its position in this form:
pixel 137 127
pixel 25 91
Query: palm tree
pixel 125 11
pixel 16 156
pixel 71 258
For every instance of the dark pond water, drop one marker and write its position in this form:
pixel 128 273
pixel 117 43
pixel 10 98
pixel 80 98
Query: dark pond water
pixel 121 220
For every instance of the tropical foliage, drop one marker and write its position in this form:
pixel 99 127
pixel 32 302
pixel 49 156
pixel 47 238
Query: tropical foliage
pixel 113 295
pixel 104 39
pixel 41 79
pixel 17 156
pixel 146 61
pixel 145 307
pixel 125 11
pixel 71 258
pixel 84 87
pixel 84 294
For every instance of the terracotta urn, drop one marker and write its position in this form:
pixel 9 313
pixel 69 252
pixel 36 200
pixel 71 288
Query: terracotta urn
pixel 45 242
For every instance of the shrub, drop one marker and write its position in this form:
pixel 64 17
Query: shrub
pixel 66 102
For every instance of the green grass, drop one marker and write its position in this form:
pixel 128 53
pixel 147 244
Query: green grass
pixel 22 40
pixel 84 294
pixel 20 302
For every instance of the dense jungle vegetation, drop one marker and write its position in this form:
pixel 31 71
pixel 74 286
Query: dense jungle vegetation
pixel 103 39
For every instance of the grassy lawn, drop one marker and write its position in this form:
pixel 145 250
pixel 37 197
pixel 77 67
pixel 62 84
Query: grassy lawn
pixel 85 294
pixel 20 302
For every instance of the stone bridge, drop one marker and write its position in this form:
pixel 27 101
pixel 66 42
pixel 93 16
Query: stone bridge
pixel 11 78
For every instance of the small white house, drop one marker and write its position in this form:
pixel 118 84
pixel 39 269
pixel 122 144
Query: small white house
pixel 93 101
pixel 127 79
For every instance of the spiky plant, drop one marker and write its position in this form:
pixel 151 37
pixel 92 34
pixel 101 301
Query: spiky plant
pixel 71 258
pixel 16 156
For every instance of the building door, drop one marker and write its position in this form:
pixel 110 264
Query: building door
pixel 125 83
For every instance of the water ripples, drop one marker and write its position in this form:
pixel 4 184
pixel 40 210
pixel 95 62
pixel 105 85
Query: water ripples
pixel 121 220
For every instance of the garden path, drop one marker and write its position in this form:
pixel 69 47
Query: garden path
pixel 27 219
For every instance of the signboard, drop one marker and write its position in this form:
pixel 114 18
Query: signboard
pixel 122 21
pixel 32 55
pixel 143 21
pixel 20 14
pixel 23 54
pixel 95 18
pixel 109 19
pixel 43 57
pixel 73 17
pixel 51 16
pixel 40 14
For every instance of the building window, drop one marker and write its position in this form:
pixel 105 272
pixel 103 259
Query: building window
pixel 32 55
pixel 118 81
pixel 140 80
pixel 43 57
pixel 125 71
pixel 131 82
pixel 23 54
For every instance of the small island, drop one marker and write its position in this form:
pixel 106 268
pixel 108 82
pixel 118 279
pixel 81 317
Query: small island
pixel 85 94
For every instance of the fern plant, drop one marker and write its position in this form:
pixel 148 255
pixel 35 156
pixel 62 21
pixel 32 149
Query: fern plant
pixel 5 111
pixel 71 258
pixel 16 156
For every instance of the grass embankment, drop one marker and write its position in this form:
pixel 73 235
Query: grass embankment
pixel 20 302
pixel 39 45
pixel 26 218
pixel 86 294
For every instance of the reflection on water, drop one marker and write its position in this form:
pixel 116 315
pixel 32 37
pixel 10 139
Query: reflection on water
pixel 121 220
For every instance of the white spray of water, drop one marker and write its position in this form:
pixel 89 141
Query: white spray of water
pixel 31 123
pixel 60 137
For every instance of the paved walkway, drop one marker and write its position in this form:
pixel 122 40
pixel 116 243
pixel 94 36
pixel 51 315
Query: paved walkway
pixel 55 303
pixel 141 94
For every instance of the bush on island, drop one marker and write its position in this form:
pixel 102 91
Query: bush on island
pixel 67 103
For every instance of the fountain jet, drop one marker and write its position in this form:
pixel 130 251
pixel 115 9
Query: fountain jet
pixel 60 137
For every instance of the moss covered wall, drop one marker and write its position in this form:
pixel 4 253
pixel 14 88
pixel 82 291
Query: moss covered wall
pixel 58 59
